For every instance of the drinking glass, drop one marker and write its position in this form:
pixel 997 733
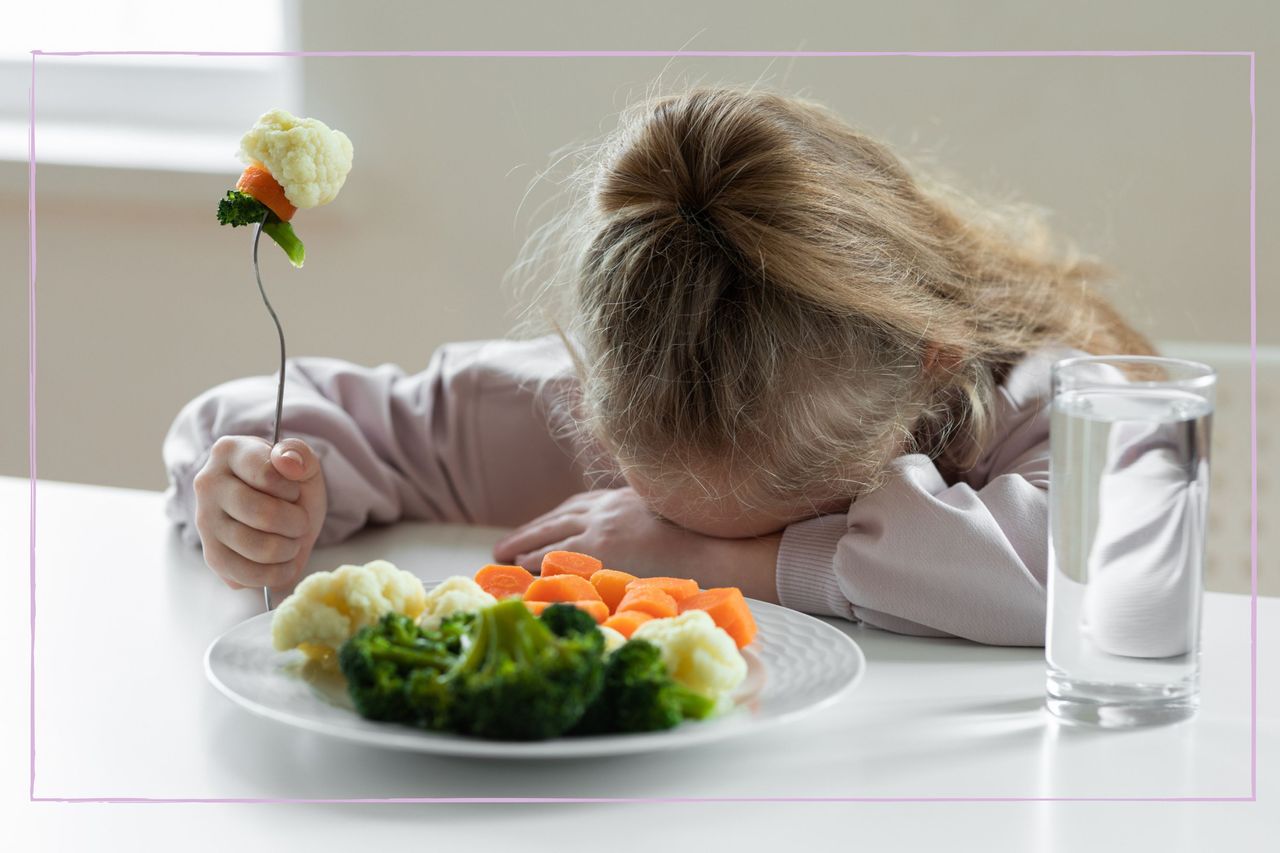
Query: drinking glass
pixel 1128 495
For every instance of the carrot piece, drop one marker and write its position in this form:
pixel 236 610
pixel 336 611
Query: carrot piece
pixel 677 588
pixel 612 585
pixel 598 609
pixel 627 621
pixel 648 599
pixel 570 563
pixel 561 588
pixel 595 609
pixel 728 609
pixel 503 581
pixel 258 182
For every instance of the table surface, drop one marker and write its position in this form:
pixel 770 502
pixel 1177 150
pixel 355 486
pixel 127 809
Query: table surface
pixel 124 612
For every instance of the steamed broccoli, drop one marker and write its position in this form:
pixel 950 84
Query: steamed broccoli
pixel 565 620
pixel 514 680
pixel 239 208
pixel 380 658
pixel 639 695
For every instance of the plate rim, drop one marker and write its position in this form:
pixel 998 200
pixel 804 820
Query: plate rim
pixel 438 743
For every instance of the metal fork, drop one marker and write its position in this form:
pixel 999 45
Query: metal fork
pixel 275 435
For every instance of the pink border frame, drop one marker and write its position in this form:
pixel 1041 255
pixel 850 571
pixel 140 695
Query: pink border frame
pixel 1253 406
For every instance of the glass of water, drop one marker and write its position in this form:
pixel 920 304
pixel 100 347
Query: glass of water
pixel 1128 497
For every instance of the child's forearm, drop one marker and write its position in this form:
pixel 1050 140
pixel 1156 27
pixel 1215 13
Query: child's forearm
pixel 749 564
pixel 468 439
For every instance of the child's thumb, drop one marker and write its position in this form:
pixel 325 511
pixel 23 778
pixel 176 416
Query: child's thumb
pixel 295 460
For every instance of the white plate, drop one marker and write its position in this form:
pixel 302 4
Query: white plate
pixel 796 665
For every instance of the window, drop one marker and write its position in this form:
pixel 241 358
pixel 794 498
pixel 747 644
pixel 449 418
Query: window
pixel 181 113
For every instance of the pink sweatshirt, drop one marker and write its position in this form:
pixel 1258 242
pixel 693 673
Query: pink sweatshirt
pixel 467 440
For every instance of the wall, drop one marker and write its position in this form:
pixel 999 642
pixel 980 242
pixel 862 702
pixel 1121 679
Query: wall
pixel 143 301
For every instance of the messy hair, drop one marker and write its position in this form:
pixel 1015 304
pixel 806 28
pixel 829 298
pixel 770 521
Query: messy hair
pixel 751 287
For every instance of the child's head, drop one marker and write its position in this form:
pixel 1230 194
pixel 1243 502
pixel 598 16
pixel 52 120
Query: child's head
pixel 767 307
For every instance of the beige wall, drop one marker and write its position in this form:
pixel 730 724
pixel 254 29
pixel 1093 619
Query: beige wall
pixel 143 301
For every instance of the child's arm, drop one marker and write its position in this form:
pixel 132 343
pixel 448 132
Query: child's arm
pixel 919 556
pixel 465 440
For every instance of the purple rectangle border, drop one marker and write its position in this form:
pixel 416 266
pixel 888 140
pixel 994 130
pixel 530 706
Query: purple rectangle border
pixel 567 54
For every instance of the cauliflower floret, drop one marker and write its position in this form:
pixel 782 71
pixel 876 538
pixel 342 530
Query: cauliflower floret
pixel 699 654
pixel 612 639
pixel 458 594
pixel 304 155
pixel 328 607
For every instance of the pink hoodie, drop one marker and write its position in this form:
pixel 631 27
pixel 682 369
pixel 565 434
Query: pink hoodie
pixel 469 440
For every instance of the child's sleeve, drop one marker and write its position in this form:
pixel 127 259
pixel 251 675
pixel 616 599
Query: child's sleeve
pixel 477 437
pixel 921 556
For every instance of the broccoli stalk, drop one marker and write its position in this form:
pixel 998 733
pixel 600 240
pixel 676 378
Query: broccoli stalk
pixel 240 208
pixel 639 695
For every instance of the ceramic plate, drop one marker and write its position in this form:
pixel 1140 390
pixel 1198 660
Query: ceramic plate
pixel 796 665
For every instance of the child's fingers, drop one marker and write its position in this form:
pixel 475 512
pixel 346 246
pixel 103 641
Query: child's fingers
pixel 536 535
pixel 294 459
pixel 262 512
pixel 235 568
pixel 249 458
pixel 576 504
pixel 255 545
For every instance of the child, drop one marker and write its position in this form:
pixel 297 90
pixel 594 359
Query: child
pixel 790 365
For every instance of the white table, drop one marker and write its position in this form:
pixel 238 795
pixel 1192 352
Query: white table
pixel 122 709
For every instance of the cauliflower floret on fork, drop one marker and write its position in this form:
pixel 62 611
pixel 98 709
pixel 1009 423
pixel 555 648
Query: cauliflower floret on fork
pixel 308 158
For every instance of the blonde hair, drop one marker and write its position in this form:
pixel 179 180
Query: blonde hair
pixel 755 288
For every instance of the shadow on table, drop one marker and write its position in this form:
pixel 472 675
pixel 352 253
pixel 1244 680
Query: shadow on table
pixel 278 762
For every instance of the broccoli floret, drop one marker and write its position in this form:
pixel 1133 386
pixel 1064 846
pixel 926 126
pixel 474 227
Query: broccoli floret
pixel 639 695
pixel 454 628
pixel 239 208
pixel 379 659
pixel 515 679
pixel 565 620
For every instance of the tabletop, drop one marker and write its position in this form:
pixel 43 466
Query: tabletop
pixel 124 612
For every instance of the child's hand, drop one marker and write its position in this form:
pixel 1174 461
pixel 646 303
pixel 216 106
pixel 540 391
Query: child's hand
pixel 259 510
pixel 616 526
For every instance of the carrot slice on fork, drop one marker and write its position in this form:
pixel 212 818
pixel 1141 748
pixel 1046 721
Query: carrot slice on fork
pixel 258 182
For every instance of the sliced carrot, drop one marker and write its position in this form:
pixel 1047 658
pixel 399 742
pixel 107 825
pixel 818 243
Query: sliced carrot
pixel 598 609
pixel 648 599
pixel 503 581
pixel 561 588
pixel 627 621
pixel 677 588
pixel 570 563
pixel 595 609
pixel 612 585
pixel 728 609
pixel 258 182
